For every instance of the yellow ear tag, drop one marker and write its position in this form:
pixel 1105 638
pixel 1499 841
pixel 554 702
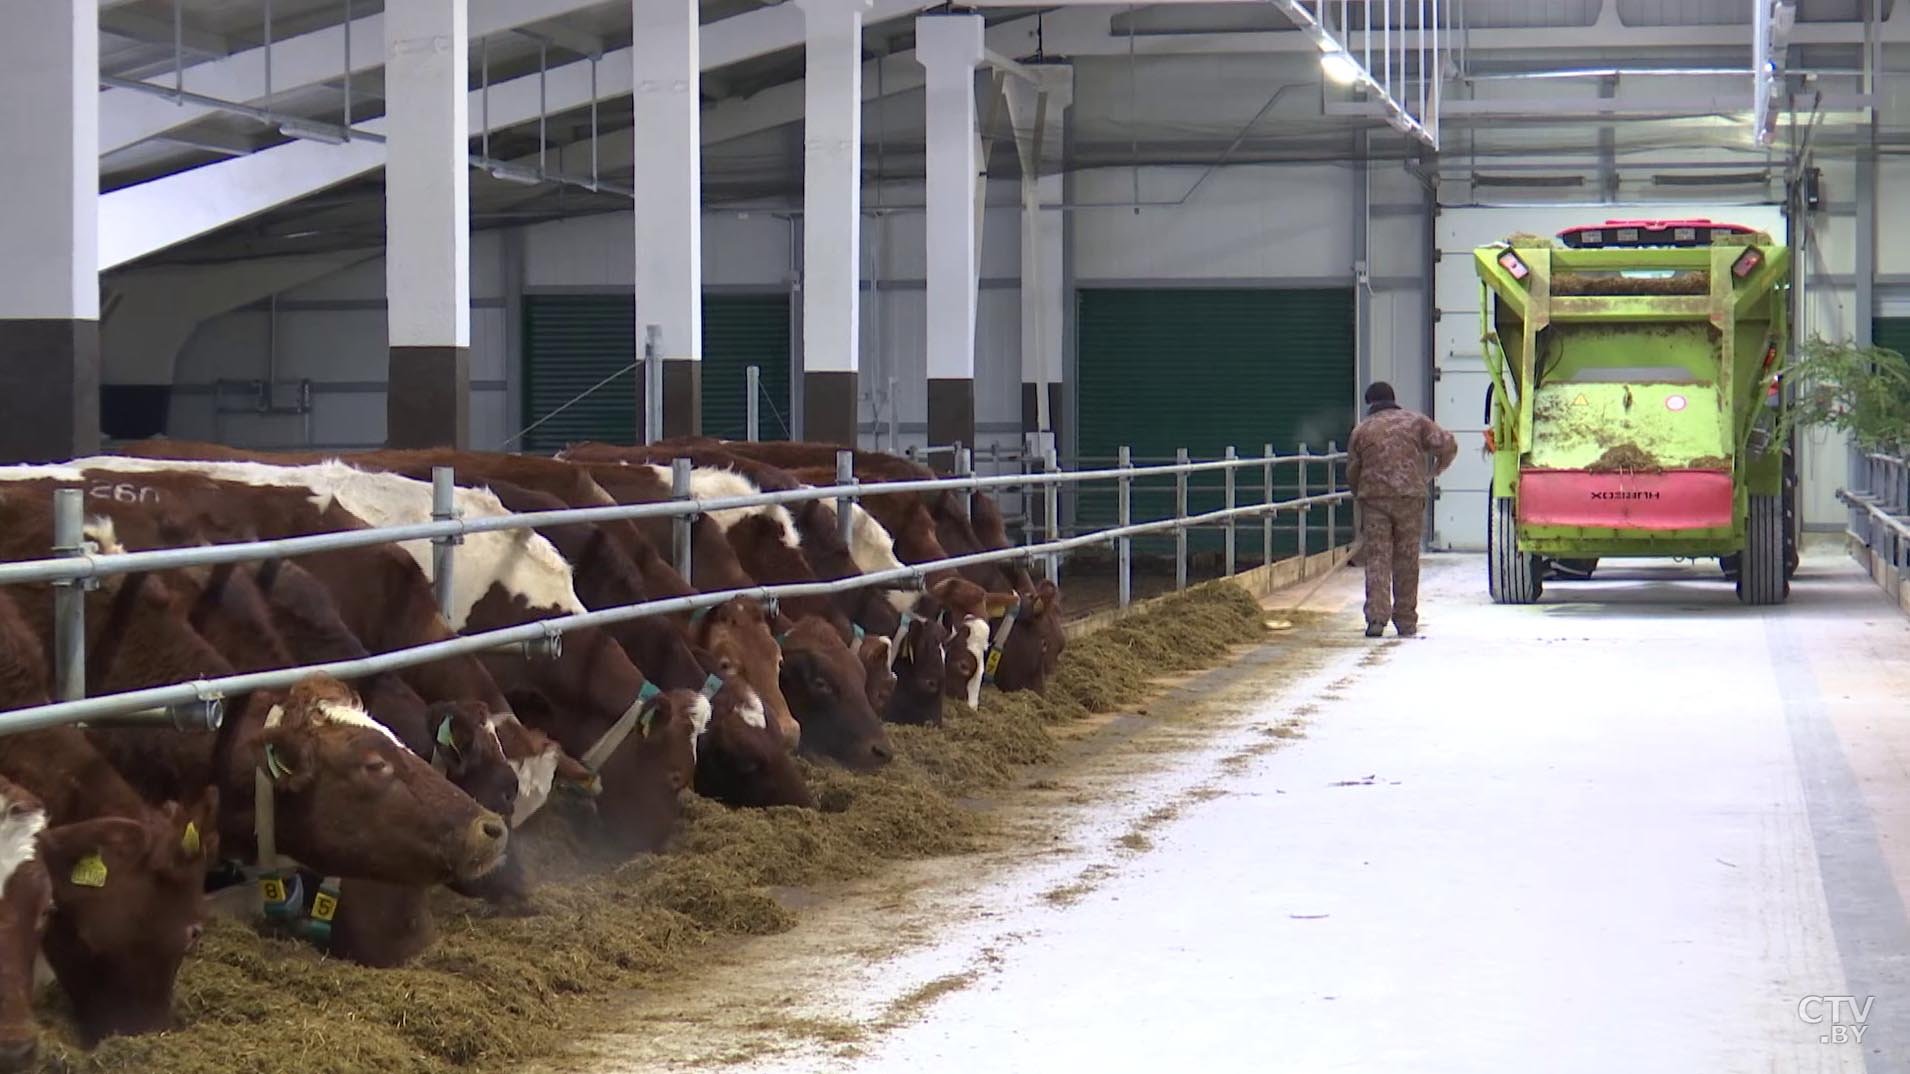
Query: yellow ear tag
pixel 189 842
pixel 994 661
pixel 90 871
pixel 272 889
pixel 324 907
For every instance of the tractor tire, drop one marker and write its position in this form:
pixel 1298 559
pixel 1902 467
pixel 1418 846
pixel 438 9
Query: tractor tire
pixel 1512 576
pixel 1762 578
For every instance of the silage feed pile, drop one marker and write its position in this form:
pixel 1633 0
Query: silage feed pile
pixel 493 990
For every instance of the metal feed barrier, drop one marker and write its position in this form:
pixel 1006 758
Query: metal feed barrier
pixel 74 568
pixel 1880 512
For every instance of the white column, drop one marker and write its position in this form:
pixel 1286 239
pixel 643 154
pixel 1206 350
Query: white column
pixel 427 222
pixel 669 201
pixel 949 47
pixel 49 230
pixel 832 216
pixel 1041 108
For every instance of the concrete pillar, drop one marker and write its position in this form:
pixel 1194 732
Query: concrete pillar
pixel 49 232
pixel 949 47
pixel 669 204
pixel 427 224
pixel 832 217
pixel 1038 112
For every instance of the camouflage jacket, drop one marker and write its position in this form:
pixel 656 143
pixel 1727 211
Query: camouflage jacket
pixel 1387 454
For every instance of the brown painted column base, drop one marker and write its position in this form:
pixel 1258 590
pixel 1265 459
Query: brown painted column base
pixel 428 398
pixel 1030 414
pixel 682 398
pixel 829 407
pixel 49 390
pixel 951 416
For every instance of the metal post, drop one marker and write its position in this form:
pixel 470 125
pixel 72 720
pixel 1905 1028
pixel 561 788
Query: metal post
pixel 1180 515
pixel 1126 518
pixel 1266 520
pixel 652 383
pixel 680 525
pixel 1230 456
pixel 845 516
pixel 1332 485
pixel 1051 506
pixel 964 467
pixel 444 508
pixel 752 378
pixel 69 598
pixel 1304 515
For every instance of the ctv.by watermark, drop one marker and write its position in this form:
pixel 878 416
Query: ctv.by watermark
pixel 1842 1018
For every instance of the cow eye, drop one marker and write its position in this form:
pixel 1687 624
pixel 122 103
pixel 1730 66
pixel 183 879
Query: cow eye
pixel 726 666
pixel 820 686
pixel 378 767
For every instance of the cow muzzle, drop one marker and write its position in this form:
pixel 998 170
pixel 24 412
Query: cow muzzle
pixel 482 849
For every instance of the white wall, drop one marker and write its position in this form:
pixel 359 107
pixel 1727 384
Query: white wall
pixel 332 332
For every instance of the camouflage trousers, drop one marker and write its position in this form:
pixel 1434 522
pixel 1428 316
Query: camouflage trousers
pixel 1391 530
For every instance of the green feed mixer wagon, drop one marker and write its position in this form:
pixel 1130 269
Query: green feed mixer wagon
pixel 1634 403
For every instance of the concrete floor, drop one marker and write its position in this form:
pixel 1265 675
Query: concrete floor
pixel 1635 827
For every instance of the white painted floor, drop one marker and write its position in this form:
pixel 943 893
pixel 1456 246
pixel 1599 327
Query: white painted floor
pixel 1618 831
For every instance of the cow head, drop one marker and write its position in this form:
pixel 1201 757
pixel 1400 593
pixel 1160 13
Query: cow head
pixel 921 669
pixel 739 638
pixel 964 610
pixel 128 903
pixel 1032 651
pixel 875 654
pixel 829 693
pixel 349 800
pixel 468 749
pixel 643 777
pixel 25 897
pixel 740 759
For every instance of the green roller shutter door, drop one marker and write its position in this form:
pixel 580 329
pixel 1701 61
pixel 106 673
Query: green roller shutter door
pixel 1205 369
pixel 572 342
pixel 740 331
pixel 1892 332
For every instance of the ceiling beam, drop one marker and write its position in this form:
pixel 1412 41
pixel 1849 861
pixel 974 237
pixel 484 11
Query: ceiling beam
pixel 149 30
pixel 128 117
pixel 140 220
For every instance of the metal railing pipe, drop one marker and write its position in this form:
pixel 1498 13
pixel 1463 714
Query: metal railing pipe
pixel 1181 473
pixel 1302 517
pixel 1231 562
pixel 1266 521
pixel 1125 517
pixel 443 509
pixel 100 566
pixel 681 526
pixel 1051 510
pixel 541 632
pixel 845 503
pixel 69 598
pixel 752 380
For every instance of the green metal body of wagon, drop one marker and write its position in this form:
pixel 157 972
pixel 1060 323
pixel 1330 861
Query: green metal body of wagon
pixel 1633 402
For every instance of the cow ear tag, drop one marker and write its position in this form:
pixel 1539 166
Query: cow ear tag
pixel 90 871
pixel 189 842
pixel 274 765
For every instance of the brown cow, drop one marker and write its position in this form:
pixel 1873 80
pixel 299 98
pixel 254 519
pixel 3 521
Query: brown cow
pixel 26 895
pixel 115 859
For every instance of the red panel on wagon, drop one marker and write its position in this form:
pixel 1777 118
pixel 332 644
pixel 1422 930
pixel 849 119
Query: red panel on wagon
pixel 1673 500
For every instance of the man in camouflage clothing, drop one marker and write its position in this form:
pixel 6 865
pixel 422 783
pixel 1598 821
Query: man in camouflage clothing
pixel 1387 470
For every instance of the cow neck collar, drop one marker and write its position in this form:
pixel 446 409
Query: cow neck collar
pixel 637 716
pixel 280 880
pixel 998 638
pixel 901 639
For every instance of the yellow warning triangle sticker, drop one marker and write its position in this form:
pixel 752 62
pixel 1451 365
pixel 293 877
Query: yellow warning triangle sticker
pixel 1580 401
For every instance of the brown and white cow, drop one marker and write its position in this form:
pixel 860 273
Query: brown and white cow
pixel 26 895
pixel 740 758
